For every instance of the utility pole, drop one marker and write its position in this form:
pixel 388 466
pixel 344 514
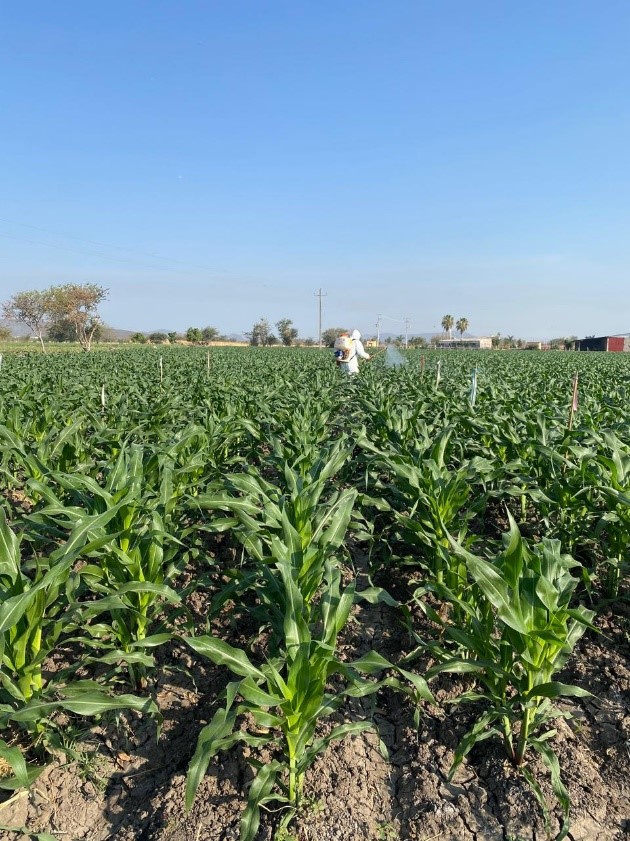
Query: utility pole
pixel 378 331
pixel 407 323
pixel 319 294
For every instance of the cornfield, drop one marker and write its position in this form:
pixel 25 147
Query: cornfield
pixel 230 585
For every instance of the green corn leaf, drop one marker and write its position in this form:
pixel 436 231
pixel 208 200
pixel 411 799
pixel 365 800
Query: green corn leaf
pixel 336 734
pixel 551 761
pixel 259 793
pixel 95 703
pixel 555 689
pixel 264 718
pixel 482 729
pixel 130 657
pixel 224 654
pixel 23 774
pixel 226 502
pixel 376 595
pixel 9 550
pixel 332 527
pixel 208 744
pixel 251 692
pixel 496 591
pixel 418 683
pixel 540 797
pixel 371 663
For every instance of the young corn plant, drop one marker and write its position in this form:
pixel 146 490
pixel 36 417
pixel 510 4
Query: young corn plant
pixel 613 527
pixel 301 514
pixel 134 561
pixel 428 499
pixel 289 694
pixel 520 631
pixel 35 618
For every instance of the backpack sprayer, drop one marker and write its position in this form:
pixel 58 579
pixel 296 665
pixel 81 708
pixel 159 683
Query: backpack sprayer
pixel 343 349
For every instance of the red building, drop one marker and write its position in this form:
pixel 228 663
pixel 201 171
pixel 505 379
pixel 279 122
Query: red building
pixel 615 344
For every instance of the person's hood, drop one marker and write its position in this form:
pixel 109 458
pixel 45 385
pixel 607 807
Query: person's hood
pixel 355 335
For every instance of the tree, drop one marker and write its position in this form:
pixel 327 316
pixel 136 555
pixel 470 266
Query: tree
pixel 30 308
pixel 63 330
pixel 286 331
pixel 138 338
pixel 5 334
pixel 329 336
pixel 308 342
pixel 418 341
pixel 447 325
pixel 259 334
pixel 209 334
pixel 461 326
pixel 172 337
pixel 78 304
pixel 194 334
pixel 158 337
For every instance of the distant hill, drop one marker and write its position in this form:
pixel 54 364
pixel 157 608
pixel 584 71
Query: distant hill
pixel 17 330
pixel 20 331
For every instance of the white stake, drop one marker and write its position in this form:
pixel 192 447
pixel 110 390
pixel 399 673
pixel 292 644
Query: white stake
pixel 161 371
pixel 208 363
pixel 473 387
pixel 574 401
pixel 103 396
pixel 437 373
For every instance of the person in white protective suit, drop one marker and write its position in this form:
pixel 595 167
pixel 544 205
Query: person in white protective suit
pixel 351 365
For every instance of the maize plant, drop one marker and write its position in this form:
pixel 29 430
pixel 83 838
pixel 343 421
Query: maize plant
pixel 288 695
pixel 266 516
pixel 427 497
pixel 519 633
pixel 34 618
pixel 136 556
pixel 613 528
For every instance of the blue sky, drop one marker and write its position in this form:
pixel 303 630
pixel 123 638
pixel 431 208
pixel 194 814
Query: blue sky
pixel 215 162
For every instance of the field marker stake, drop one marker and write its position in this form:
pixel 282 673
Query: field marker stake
pixel 574 401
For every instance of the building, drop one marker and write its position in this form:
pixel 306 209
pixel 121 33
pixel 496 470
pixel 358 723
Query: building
pixel 615 344
pixel 481 343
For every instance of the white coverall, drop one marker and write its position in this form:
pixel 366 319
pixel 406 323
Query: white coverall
pixel 352 365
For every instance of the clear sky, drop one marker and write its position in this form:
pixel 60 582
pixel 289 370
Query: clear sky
pixel 215 162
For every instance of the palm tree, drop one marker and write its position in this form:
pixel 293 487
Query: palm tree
pixel 447 324
pixel 461 326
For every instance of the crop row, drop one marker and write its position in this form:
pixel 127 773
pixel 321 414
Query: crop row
pixel 119 474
